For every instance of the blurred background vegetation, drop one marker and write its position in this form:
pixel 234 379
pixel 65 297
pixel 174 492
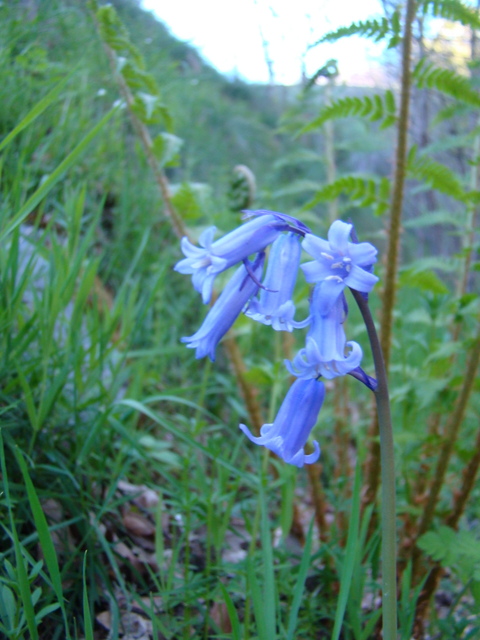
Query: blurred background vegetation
pixel 130 503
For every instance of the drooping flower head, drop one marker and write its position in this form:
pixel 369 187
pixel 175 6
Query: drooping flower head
pixel 327 352
pixel 274 305
pixel 338 264
pixel 297 416
pixel 204 263
pixel 226 310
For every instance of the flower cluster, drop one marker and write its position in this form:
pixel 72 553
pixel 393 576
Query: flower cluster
pixel 337 263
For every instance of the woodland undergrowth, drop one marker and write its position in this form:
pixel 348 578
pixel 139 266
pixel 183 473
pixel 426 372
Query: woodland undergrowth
pixel 131 503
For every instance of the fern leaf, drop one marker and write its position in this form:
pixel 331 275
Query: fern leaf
pixel 437 175
pixel 446 81
pixel 452 10
pixel 363 191
pixel 374 108
pixel 375 29
pixel 452 110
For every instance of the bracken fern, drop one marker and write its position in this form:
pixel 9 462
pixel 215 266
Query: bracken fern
pixel 447 81
pixel 376 107
pixel 374 29
pixel 451 10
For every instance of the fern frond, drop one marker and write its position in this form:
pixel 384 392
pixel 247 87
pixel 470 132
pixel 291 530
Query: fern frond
pixel 374 108
pixel 452 10
pixel 374 29
pixel 452 110
pixel 435 174
pixel 363 191
pixel 447 81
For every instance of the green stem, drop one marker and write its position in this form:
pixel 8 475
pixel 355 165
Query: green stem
pixel 253 540
pixel 389 543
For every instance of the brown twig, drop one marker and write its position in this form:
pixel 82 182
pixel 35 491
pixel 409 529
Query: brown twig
pixel 318 497
pixel 372 468
pixel 146 140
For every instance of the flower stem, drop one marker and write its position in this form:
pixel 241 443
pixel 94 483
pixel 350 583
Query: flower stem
pixel 389 576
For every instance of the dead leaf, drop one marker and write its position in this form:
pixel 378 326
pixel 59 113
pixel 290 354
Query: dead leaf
pixel 138 524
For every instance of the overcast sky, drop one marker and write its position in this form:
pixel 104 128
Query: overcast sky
pixel 228 33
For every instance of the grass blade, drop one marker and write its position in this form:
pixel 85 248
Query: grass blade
pixel 87 618
pixel 23 583
pixel 349 558
pixel 257 601
pixel 232 614
pixel 138 406
pixel 44 536
pixel 268 573
pixel 299 586
pixel 37 110
pixel 55 176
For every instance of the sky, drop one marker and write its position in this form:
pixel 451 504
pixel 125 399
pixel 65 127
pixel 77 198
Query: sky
pixel 230 34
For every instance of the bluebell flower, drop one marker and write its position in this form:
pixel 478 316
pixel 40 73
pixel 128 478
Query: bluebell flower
pixel 274 305
pixel 213 257
pixel 338 264
pixel 226 309
pixel 291 429
pixel 291 223
pixel 325 353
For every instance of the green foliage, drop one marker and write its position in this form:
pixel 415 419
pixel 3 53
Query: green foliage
pixel 372 107
pixel 364 192
pixel 447 81
pixel 147 103
pixel 377 30
pixel 456 550
pixel 190 200
pixel 435 174
pixel 452 10
pixel 166 148
pixel 425 280
pixel 328 70
pixel 242 189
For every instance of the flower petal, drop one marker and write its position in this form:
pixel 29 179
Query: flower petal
pixel 360 280
pixel 225 311
pixel 363 254
pixel 330 289
pixel 295 419
pixel 206 237
pixel 314 456
pixel 315 271
pixel 338 236
pixel 316 247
